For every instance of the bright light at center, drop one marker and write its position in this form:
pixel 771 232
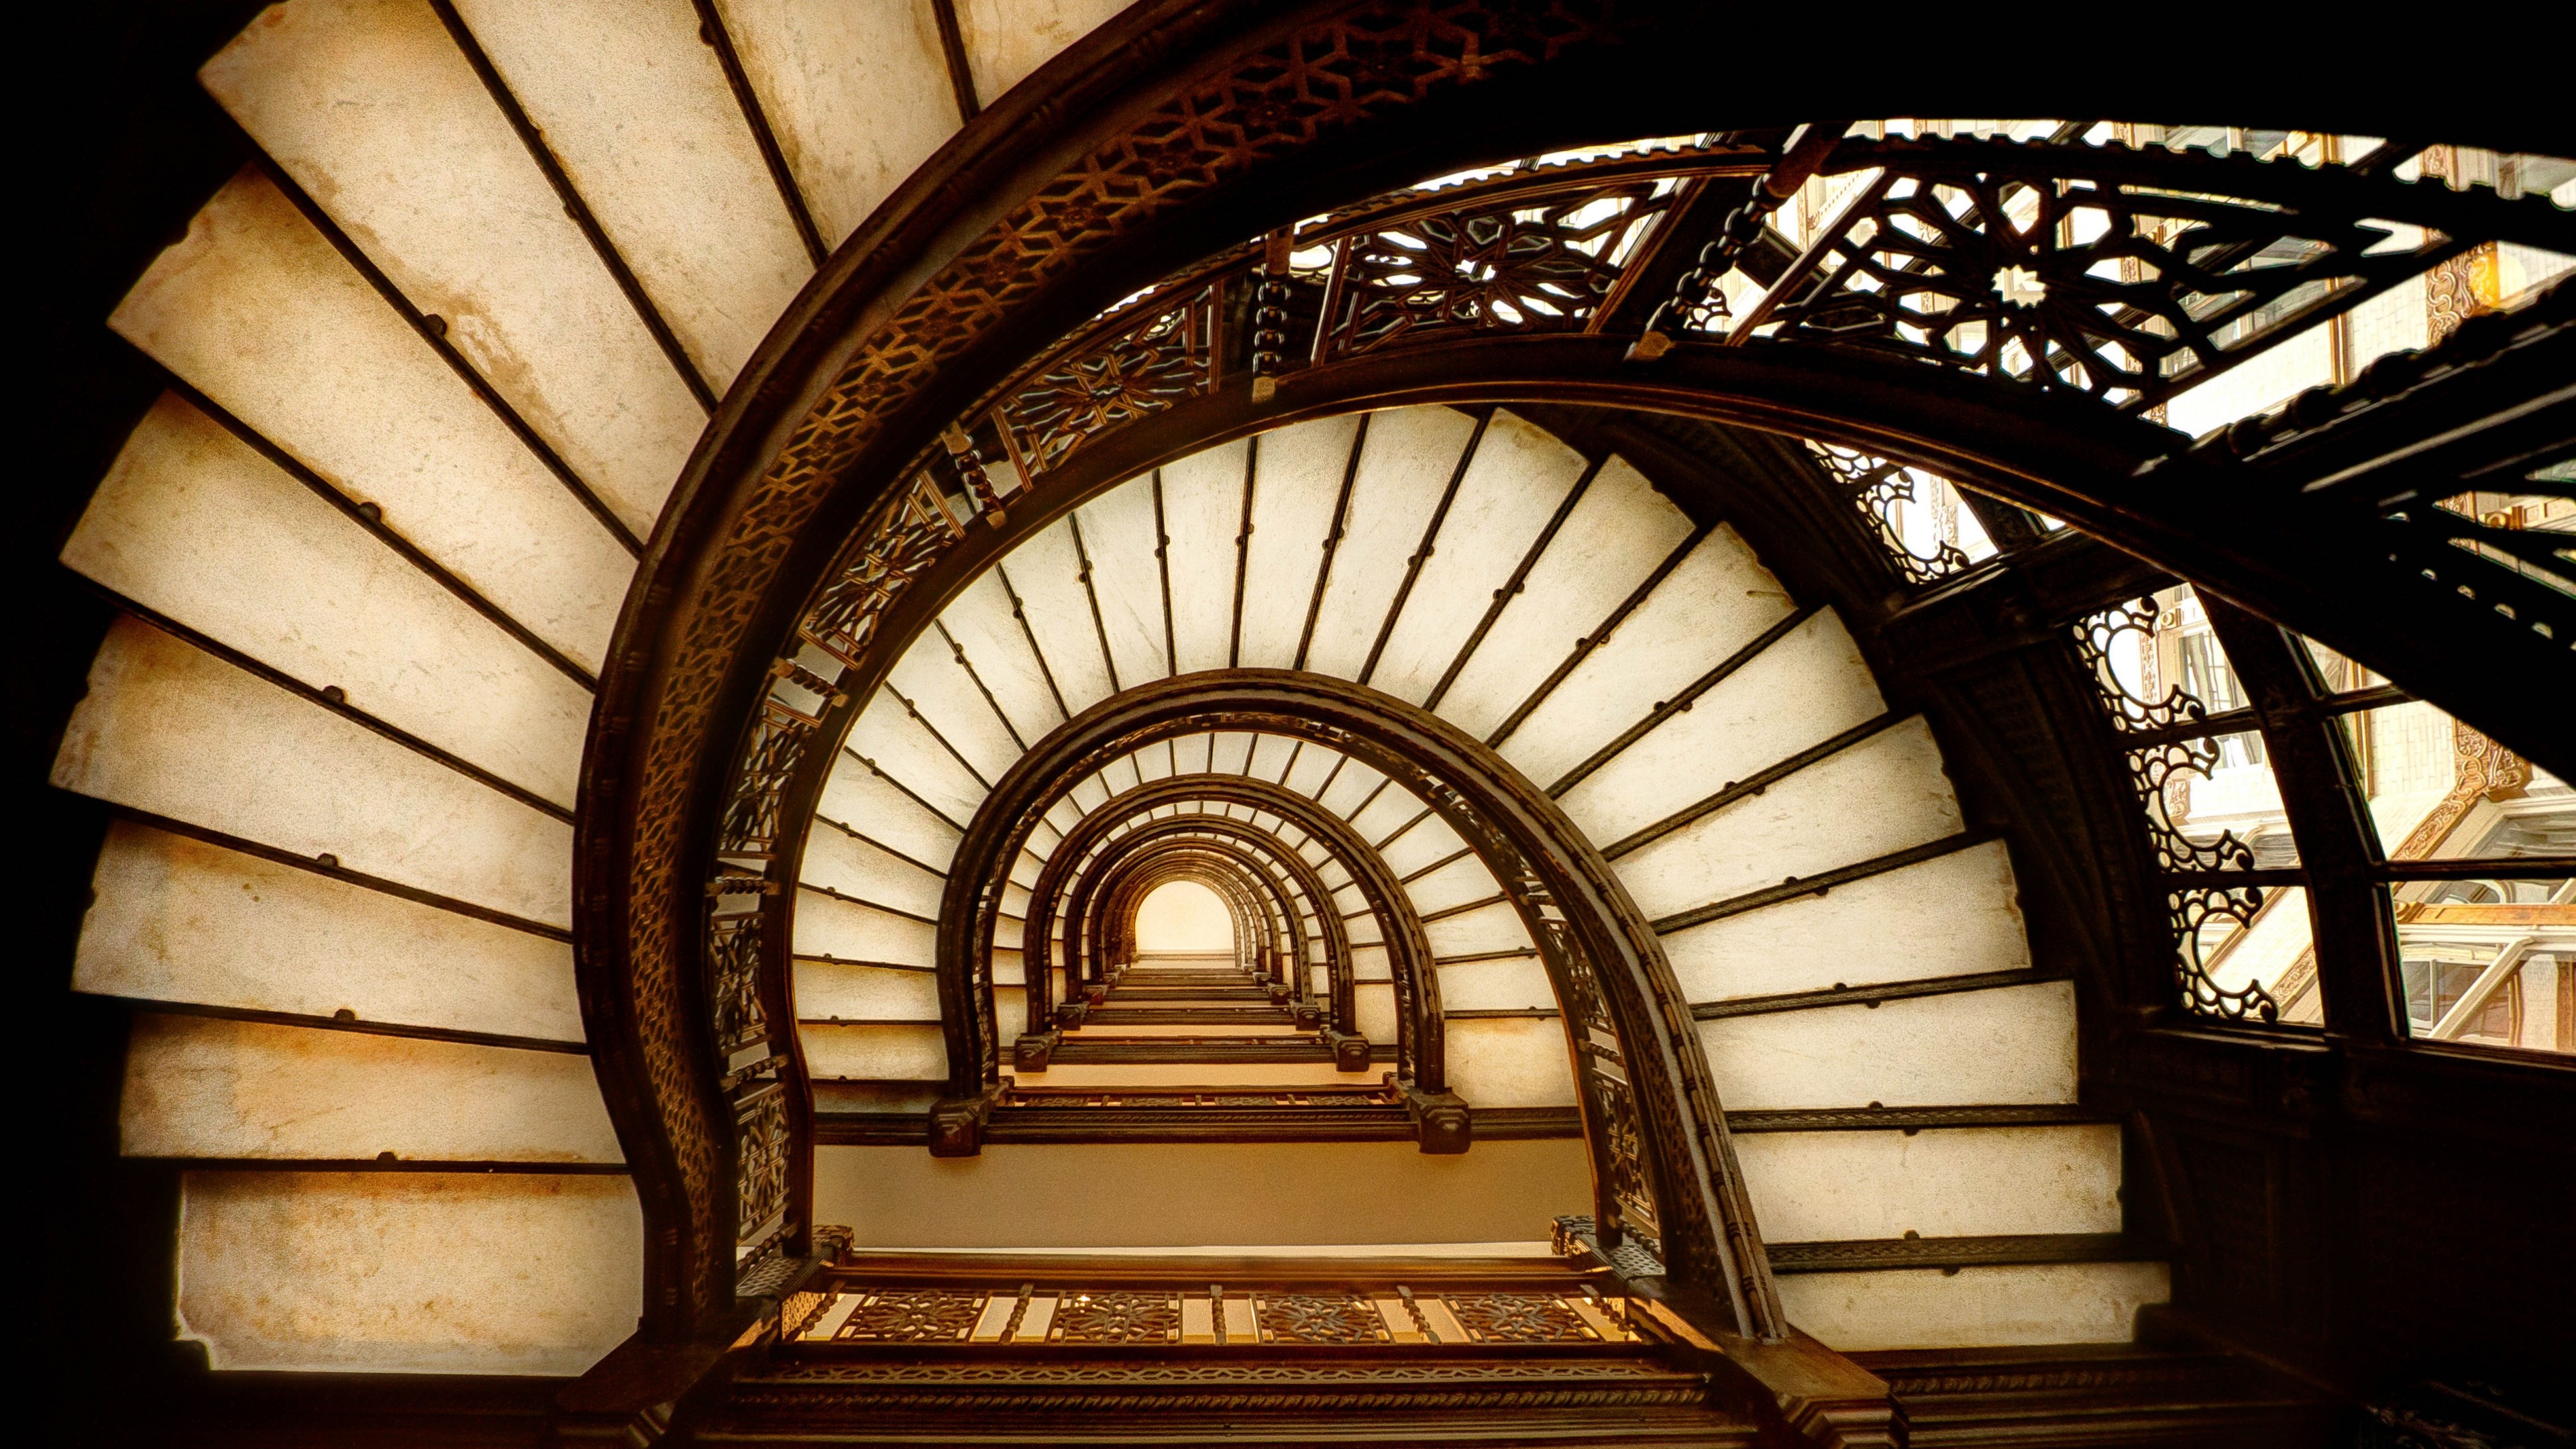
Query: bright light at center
pixel 1183 916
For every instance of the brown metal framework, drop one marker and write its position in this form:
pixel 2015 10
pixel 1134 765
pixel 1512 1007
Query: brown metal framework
pixel 1409 952
pixel 1101 909
pixel 1664 1173
pixel 1268 932
pixel 926 317
pixel 1113 934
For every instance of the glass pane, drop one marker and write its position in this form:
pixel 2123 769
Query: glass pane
pixel 2489 962
pixel 2439 790
pixel 2338 673
pixel 2246 954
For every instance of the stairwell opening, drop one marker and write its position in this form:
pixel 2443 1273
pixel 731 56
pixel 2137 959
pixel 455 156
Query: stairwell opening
pixel 1183 925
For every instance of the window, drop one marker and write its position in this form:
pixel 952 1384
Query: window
pixel 2485 946
pixel 2243 941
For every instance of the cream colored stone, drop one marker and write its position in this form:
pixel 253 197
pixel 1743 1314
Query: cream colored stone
pixel 255 309
pixel 1976 1307
pixel 889 738
pixel 855 796
pixel 1373 1011
pixel 1198 1194
pixel 1007 39
pixel 1495 927
pixel 1809 686
pixel 375 112
pixel 405 1272
pixel 874 1053
pixel 1460 881
pixel 929 675
pixel 1950 1182
pixel 637 110
pixel 1203 511
pixel 1270 757
pixel 828 926
pixel 1952 915
pixel 1511 1062
pixel 174 731
pixel 1312 767
pixel 174 919
pixel 1609 544
pixel 1286 1076
pixel 196 526
pixel 1148 1030
pixel 828 989
pixel 1394 808
pixel 1519 476
pixel 835 859
pixel 979 619
pixel 1295 482
pixel 205 1087
pixel 1511 983
pixel 1408 459
pixel 1046 571
pixel 1118 534
pixel 858 95
pixel 1349 788
pixel 1885 794
pixel 1718 599
pixel 2011 1044
pixel 1422 844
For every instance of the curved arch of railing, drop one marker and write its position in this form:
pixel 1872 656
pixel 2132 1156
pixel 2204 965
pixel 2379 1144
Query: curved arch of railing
pixel 1102 912
pixel 1418 1055
pixel 804 517
pixel 1663 1166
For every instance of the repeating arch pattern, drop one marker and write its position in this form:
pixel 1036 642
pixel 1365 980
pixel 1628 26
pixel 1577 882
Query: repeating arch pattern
pixel 1635 669
pixel 506 408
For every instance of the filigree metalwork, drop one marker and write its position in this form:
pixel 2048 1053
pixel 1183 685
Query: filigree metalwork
pixel 1518 1318
pixel 900 539
pixel 2196 913
pixel 1164 357
pixel 1345 1318
pixel 1528 265
pixel 1879 487
pixel 1105 1317
pixel 914 1315
pixel 2162 775
pixel 1625 1170
pixel 761 1185
pixel 773 748
pixel 733 979
pixel 2129 629
pixel 2122 275
pixel 668 722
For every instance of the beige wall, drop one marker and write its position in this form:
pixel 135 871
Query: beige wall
pixel 1148 1194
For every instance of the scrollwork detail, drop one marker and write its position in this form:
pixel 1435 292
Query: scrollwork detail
pixel 2162 775
pixel 1878 487
pixel 2130 627
pixel 2193 913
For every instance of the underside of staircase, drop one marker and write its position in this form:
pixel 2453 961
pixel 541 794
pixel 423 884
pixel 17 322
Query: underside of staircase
pixel 1332 854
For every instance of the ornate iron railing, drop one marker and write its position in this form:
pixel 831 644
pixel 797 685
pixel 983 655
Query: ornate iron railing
pixel 2122 275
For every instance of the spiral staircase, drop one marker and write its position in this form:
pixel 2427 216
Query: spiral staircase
pixel 433 365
